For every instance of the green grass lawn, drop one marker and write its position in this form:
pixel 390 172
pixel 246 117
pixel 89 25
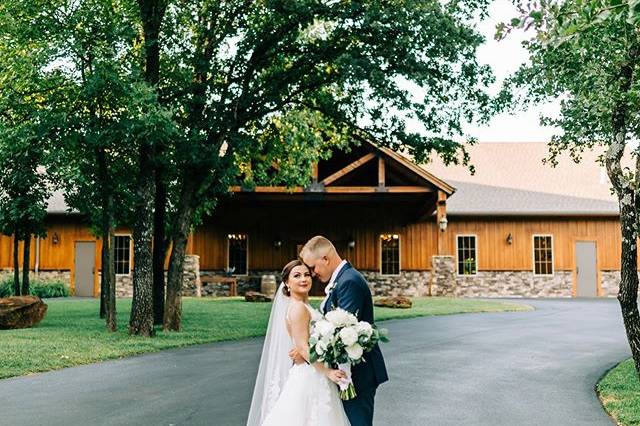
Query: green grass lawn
pixel 73 334
pixel 619 392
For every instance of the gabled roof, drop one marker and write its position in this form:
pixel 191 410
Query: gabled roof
pixel 57 204
pixel 413 167
pixel 511 179
pixel 482 200
pixel 519 166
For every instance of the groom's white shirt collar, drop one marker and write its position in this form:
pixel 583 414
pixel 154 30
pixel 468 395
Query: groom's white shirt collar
pixel 332 281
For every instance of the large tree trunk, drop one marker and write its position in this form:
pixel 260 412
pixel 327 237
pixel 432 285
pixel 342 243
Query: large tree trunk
pixel 159 246
pixel 629 204
pixel 109 273
pixel 628 293
pixel 26 258
pixel 141 321
pixel 16 265
pixel 179 236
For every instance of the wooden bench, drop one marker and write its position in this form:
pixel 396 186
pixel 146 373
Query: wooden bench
pixel 218 279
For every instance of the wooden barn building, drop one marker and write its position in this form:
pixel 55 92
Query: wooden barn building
pixel 515 228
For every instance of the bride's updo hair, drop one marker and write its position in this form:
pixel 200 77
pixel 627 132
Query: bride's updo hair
pixel 286 271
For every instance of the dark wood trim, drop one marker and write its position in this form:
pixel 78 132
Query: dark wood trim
pixel 338 189
pixel 349 168
pixel 410 189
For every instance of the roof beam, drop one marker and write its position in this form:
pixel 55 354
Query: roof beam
pixel 337 189
pixel 348 169
pixel 408 189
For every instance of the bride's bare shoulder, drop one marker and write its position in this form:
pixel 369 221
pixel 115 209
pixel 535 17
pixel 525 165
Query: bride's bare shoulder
pixel 298 311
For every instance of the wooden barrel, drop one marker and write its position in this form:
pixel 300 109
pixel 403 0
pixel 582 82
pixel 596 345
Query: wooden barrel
pixel 268 285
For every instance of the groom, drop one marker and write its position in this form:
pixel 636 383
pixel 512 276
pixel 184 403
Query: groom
pixel 347 289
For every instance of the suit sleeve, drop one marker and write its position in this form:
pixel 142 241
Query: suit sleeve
pixel 351 296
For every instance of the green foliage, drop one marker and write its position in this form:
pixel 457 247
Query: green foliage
pixel 264 89
pixel 42 289
pixel 585 72
pixel 24 119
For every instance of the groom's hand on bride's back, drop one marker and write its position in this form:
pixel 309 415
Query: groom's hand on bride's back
pixel 296 357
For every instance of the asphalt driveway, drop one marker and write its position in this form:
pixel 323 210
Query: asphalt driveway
pixel 532 368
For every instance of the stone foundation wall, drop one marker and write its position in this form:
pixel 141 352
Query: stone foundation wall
pixel 61 275
pixel 408 283
pixel 446 282
pixel 443 277
pixel 442 280
pixel 610 282
pixel 124 283
pixel 514 284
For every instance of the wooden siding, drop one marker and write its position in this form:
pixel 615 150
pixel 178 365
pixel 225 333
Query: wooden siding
pixel 266 224
pixel 494 253
pixel 419 242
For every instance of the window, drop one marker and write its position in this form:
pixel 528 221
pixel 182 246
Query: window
pixel 542 255
pixel 122 254
pixel 467 256
pixel 390 254
pixel 237 260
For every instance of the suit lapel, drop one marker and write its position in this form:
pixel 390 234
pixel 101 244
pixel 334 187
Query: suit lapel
pixel 331 300
pixel 342 271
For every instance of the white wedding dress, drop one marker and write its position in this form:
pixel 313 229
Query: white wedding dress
pixel 308 397
pixel 287 394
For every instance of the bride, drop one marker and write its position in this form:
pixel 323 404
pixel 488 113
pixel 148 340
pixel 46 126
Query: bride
pixel 287 394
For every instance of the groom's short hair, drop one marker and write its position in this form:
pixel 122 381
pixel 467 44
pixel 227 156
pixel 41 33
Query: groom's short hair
pixel 318 246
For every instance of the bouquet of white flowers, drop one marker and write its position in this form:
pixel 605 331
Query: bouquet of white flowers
pixel 339 340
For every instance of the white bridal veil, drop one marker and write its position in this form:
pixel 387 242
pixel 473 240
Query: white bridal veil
pixel 274 363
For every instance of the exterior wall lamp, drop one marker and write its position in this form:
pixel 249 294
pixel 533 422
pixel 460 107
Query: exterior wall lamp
pixel 351 244
pixel 509 239
pixel 55 239
pixel 443 223
pixel 277 243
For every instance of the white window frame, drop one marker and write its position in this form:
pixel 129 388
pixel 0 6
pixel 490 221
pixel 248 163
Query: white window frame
pixel 475 236
pixel 229 252
pixel 130 253
pixel 399 254
pixel 533 255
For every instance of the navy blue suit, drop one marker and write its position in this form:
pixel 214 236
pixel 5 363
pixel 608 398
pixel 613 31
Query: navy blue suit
pixel 352 294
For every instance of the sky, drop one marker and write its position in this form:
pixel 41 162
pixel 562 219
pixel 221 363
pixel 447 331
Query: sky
pixel 505 57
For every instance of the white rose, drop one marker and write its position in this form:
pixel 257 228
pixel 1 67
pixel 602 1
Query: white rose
pixel 324 328
pixel 349 336
pixel 351 319
pixel 340 318
pixel 365 328
pixel 321 347
pixel 354 351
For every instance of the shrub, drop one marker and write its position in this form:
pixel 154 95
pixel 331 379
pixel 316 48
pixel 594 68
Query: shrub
pixel 42 289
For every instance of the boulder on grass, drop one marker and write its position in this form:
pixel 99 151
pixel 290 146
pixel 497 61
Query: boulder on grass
pixel 254 296
pixel 21 312
pixel 400 302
